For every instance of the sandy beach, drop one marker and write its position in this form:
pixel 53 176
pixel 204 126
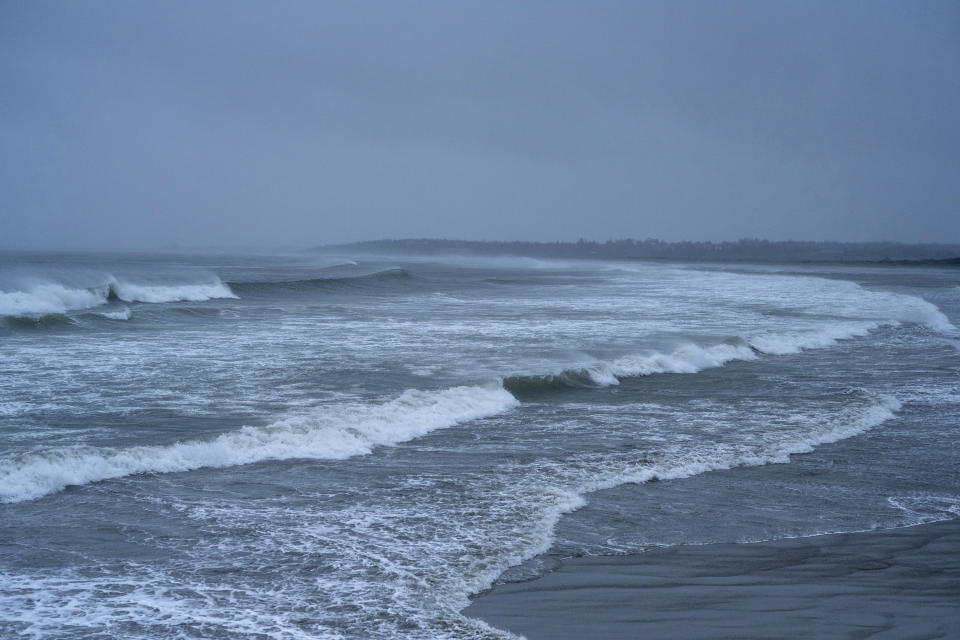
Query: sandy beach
pixel 895 583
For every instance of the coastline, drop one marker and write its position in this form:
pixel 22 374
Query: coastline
pixel 892 583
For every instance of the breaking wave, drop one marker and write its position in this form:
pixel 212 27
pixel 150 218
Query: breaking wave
pixel 693 358
pixel 170 293
pixel 688 358
pixel 51 298
pixel 334 432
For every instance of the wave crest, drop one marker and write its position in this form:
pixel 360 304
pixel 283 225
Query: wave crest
pixel 129 292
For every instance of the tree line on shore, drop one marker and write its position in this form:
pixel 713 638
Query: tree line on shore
pixel 747 249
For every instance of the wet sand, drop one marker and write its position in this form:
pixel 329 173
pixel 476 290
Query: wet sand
pixel 895 583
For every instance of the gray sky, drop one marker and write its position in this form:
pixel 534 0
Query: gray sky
pixel 133 125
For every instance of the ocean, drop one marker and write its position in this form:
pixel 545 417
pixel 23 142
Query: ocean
pixel 278 447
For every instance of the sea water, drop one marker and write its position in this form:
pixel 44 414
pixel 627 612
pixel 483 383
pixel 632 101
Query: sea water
pixel 319 446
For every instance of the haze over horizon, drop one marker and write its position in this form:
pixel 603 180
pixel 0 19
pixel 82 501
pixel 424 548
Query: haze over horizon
pixel 146 126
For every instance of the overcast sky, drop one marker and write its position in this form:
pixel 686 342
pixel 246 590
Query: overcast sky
pixel 137 125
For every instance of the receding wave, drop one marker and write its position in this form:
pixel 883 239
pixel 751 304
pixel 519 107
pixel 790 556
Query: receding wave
pixel 334 432
pixel 771 448
pixel 590 473
pixel 384 276
pixel 924 508
pixel 49 298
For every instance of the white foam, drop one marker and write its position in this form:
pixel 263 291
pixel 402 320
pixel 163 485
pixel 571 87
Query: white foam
pixel 920 509
pixel 331 432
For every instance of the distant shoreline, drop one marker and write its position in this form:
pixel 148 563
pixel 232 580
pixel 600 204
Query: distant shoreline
pixel 747 251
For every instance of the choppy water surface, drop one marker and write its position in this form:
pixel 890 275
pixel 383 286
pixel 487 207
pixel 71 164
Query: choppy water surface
pixel 349 447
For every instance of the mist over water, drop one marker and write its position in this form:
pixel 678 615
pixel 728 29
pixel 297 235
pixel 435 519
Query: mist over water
pixel 303 446
pixel 130 127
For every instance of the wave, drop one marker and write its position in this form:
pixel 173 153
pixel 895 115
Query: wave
pixel 49 298
pixel 334 432
pixel 38 321
pixel 916 310
pixel 129 292
pixel 686 358
pixel 590 377
pixel 366 279
pixel 693 358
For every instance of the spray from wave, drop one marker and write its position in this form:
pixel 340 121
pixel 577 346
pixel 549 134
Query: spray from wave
pixel 330 433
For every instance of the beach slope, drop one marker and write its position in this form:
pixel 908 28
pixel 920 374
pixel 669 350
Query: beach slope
pixel 895 583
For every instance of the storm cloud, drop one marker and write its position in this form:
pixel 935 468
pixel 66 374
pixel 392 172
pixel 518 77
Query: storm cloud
pixel 215 124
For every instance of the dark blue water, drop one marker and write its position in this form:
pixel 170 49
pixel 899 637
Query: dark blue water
pixel 310 446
